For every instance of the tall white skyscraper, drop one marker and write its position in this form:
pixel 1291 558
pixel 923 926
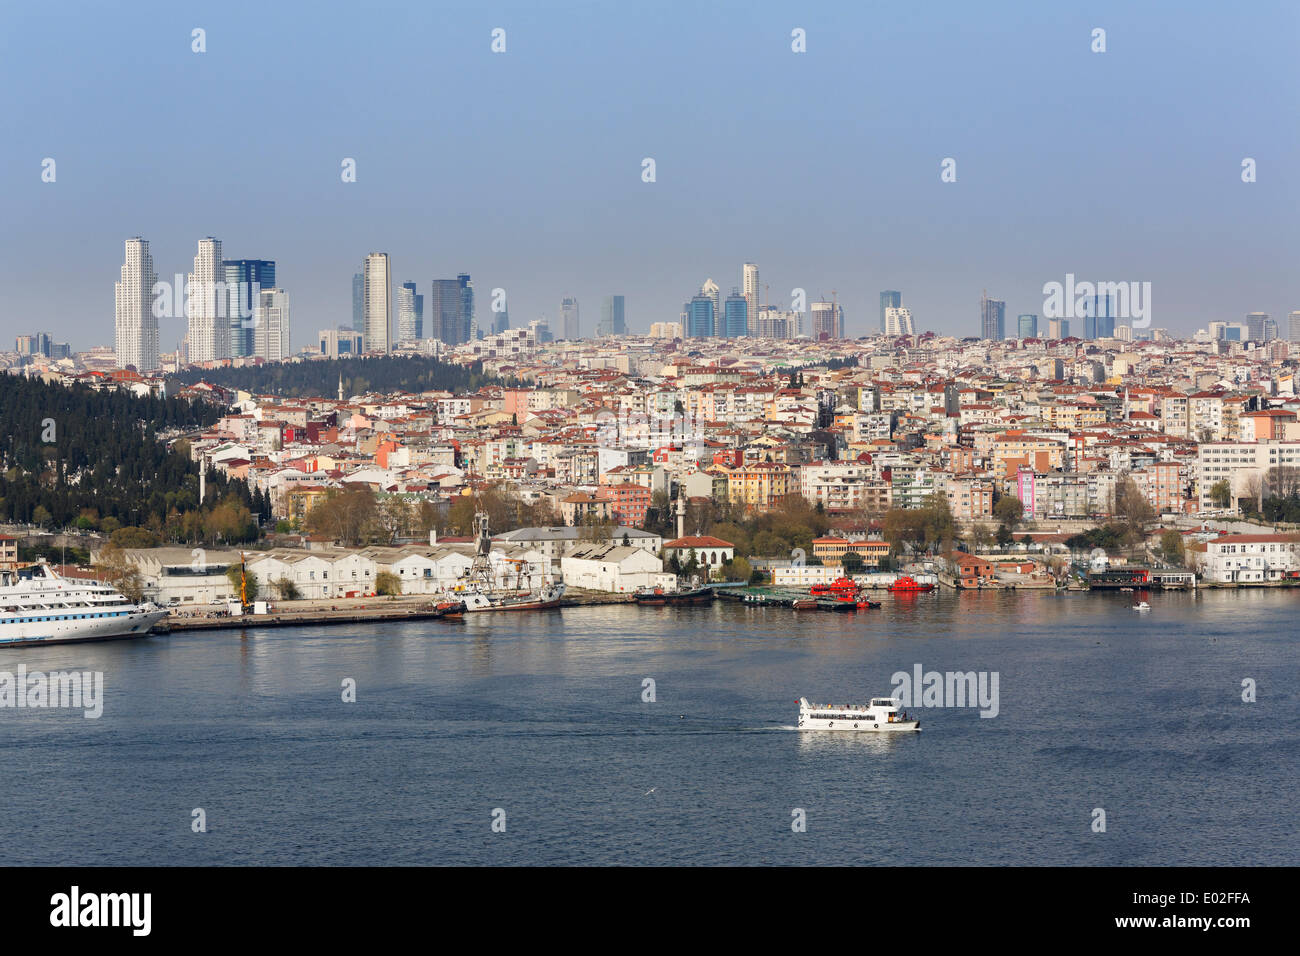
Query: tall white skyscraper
pixel 710 290
pixel 898 321
pixel 407 321
pixel 1293 327
pixel 570 325
pixel 136 339
pixel 749 289
pixel 271 325
pixel 207 305
pixel 377 301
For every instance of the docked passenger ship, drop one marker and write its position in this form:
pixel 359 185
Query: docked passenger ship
pixel 38 606
pixel 881 715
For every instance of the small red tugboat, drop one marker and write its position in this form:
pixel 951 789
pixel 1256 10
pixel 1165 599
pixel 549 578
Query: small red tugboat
pixel 836 588
pixel 908 584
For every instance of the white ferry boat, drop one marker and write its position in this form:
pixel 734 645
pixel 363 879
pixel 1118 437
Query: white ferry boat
pixel 38 606
pixel 881 715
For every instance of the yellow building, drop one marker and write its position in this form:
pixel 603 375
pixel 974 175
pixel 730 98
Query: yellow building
pixel 759 484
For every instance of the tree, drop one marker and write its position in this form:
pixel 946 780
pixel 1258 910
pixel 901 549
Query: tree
pixel 737 569
pixel 394 518
pixel 41 516
pixel 1132 506
pixel 1171 547
pixel 388 583
pixel 930 526
pixel 134 538
pixel 1283 481
pixel 1254 492
pixel 595 529
pixel 1221 493
pixel 1003 536
pixel 120 572
pixel 1009 511
pixel 234 574
pixel 285 589
pixel 692 563
pixel 349 516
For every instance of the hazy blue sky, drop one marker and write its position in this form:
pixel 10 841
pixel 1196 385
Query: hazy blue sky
pixel 524 168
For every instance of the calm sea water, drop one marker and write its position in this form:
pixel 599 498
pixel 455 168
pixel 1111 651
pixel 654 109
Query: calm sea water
pixel 541 715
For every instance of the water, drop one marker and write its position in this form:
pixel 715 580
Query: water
pixel 541 715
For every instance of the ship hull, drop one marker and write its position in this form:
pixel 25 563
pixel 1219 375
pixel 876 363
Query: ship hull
pixel 659 600
pixel 72 632
pixel 524 606
pixel 861 726
pixel 537 601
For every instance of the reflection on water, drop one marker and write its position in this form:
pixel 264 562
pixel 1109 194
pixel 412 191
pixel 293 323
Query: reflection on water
pixel 813 742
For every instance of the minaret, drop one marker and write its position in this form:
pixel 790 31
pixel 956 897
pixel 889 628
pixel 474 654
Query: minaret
pixel 681 515
pixel 340 386
pixel 203 478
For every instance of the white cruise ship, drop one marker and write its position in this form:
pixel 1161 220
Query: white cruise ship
pixel 38 606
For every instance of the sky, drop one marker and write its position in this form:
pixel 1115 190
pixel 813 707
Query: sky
pixel 524 168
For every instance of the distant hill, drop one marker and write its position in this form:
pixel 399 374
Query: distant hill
pixel 74 455
pixel 393 373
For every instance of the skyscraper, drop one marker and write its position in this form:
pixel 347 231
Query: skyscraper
pixel 710 289
pixel 1255 326
pixel 613 321
pixel 38 344
pixel 468 323
pixel 1098 317
pixel 1027 326
pixel 1293 327
pixel 570 324
pixel 444 311
pixel 827 321
pixel 898 321
pixel 208 305
pixel 271 330
pixel 700 318
pixel 136 326
pixel 735 322
pixel 378 304
pixel 889 299
pixel 358 302
pixel 409 307
pixel 993 315
pixel 749 285
pixel 245 278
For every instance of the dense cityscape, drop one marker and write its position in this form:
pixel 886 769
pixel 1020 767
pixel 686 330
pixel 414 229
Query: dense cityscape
pixel 620 460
